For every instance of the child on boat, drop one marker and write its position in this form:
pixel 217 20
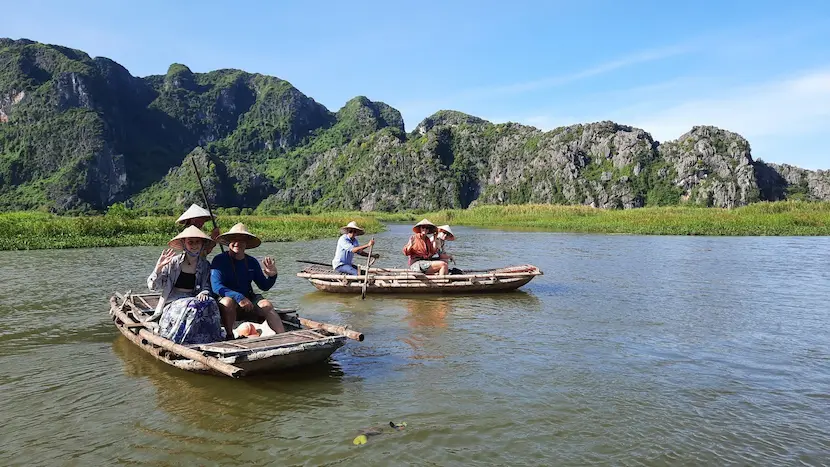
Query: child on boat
pixel 444 235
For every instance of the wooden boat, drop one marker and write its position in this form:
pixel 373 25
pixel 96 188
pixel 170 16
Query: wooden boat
pixel 392 280
pixel 304 342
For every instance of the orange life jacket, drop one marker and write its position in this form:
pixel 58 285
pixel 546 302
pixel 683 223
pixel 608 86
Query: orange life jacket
pixel 419 248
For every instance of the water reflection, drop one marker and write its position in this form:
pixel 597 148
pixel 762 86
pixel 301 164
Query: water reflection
pixel 497 304
pixel 714 348
pixel 346 302
pixel 428 312
pixel 229 405
pixel 425 316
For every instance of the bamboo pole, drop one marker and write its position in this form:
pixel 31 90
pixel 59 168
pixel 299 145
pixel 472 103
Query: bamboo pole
pixel 332 328
pixel 212 362
pixel 207 203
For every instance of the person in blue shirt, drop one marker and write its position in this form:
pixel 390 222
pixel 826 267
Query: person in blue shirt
pixel 347 246
pixel 231 275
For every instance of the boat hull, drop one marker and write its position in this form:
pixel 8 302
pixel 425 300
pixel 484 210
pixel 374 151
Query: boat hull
pixel 259 355
pixel 420 288
pixel 397 281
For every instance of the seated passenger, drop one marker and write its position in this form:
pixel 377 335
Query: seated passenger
pixel 419 249
pixel 347 246
pixel 197 215
pixel 444 235
pixel 231 276
pixel 188 314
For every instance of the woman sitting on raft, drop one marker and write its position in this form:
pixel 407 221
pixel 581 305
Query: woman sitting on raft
pixel 189 315
pixel 420 249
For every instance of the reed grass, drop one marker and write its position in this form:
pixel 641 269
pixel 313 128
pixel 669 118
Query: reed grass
pixel 782 218
pixel 37 230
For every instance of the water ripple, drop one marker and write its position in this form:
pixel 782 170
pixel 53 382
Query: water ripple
pixel 631 351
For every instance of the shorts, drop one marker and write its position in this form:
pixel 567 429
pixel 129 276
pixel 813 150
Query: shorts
pixel 421 266
pixel 255 315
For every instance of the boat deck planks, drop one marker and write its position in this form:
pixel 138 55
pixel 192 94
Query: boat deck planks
pixel 263 343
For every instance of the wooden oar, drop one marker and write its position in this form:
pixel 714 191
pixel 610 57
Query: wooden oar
pixel 366 279
pixel 322 264
pixel 312 262
pixel 207 203
pixel 210 211
pixel 333 328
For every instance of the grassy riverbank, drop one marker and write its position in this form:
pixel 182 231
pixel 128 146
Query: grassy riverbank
pixel 778 218
pixel 35 230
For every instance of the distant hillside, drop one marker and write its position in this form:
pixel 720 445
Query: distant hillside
pixel 80 133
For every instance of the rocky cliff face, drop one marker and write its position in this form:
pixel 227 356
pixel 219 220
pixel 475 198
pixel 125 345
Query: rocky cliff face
pixel 78 133
pixel 454 160
pixel 594 164
pixel 713 167
pixel 802 184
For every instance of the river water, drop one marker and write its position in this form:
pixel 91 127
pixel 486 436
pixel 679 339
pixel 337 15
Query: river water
pixel 630 350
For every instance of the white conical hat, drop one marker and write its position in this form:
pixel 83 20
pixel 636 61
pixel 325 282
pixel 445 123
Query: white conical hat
pixel 193 212
pixel 446 228
pixel 352 225
pixel 426 222
pixel 239 230
pixel 190 232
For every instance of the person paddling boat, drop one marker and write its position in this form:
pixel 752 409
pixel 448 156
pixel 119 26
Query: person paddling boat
pixel 347 246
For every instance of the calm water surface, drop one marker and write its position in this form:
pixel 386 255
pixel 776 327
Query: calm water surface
pixel 630 350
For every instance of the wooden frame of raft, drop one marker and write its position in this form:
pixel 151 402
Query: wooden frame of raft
pixel 304 342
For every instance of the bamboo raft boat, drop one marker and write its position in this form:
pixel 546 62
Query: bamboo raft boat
pixel 399 280
pixel 305 342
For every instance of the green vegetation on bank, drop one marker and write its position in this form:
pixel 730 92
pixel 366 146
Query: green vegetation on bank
pixel 765 218
pixel 123 227
pixel 36 230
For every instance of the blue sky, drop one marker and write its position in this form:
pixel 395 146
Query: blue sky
pixel 759 68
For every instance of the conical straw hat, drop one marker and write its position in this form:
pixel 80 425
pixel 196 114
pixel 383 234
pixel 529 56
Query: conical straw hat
pixel 190 232
pixel 247 329
pixel 426 222
pixel 240 231
pixel 446 228
pixel 352 225
pixel 193 212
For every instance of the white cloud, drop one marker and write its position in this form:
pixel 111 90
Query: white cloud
pixel 600 69
pixel 477 94
pixel 784 119
pixel 783 108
